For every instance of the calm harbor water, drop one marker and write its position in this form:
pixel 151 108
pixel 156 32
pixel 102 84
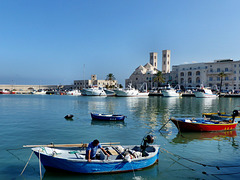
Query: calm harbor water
pixel 39 119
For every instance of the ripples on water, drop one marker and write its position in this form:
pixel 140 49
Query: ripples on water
pixel 33 119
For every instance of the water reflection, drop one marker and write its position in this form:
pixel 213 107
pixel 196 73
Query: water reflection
pixel 184 138
pixel 120 124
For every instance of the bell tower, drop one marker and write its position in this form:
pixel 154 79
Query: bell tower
pixel 166 56
pixel 153 59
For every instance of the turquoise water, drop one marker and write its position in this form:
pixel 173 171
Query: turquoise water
pixel 37 119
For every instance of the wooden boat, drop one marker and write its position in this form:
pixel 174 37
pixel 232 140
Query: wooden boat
pixel 222 116
pixel 201 124
pixel 122 158
pixel 108 117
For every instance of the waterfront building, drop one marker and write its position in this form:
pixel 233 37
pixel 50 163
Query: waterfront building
pixel 144 74
pixel 80 84
pixel 207 73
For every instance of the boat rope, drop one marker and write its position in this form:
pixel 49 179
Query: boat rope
pixel 26 163
pixel 40 170
pixel 205 165
pixel 164 125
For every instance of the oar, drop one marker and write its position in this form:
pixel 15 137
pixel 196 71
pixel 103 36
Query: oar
pixel 67 145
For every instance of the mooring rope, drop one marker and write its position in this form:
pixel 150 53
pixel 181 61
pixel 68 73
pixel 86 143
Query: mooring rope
pixel 26 164
pixel 40 170
pixel 205 165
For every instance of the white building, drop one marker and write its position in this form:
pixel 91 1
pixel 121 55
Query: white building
pixel 80 84
pixel 193 75
pixel 144 74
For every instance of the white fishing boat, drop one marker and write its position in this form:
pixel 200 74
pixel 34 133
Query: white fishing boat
pixel 171 92
pixel 75 92
pixel 93 91
pixel 203 92
pixel 40 92
pixel 143 90
pixel 127 92
pixel 109 92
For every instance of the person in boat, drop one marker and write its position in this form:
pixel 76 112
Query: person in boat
pixel 92 150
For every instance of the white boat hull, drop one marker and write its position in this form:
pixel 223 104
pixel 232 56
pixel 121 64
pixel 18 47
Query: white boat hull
pixel 169 93
pixel 94 92
pixel 126 93
pixel 204 95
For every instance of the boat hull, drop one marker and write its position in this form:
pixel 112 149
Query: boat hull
pixel 107 117
pixel 95 166
pixel 204 95
pixel 126 93
pixel 201 127
pixel 93 92
pixel 170 94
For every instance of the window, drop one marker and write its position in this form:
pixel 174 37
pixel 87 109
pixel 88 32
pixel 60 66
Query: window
pixel 189 80
pixel 190 68
pixel 235 78
pixel 205 67
pixel 210 78
pixel 136 78
pixel 226 78
pixel 235 65
pixel 218 78
pixel 198 73
pixel 198 67
pixel 211 70
pixel 189 73
pixel 235 72
pixel 164 55
pixel 226 69
pixel 182 80
pixel 182 74
pixel 218 69
pixel 198 80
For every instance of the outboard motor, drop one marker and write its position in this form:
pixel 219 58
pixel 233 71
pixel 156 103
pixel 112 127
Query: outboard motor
pixel 235 113
pixel 146 140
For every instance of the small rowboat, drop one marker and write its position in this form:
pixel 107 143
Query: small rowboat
pixel 107 117
pixel 201 124
pixel 122 158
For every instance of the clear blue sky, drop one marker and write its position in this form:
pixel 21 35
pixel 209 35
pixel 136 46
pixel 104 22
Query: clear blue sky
pixel 49 41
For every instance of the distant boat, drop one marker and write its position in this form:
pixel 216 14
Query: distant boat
pixel 75 92
pixel 127 92
pixel 5 91
pixel 143 90
pixel 108 117
pixel 40 92
pixel 93 91
pixel 171 92
pixel 203 92
pixel 202 125
pixel 109 92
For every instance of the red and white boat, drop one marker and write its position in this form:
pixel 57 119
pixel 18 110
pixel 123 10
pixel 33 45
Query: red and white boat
pixel 5 91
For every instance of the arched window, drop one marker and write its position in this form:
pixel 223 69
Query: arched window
pixel 189 73
pixel 189 80
pixel 182 74
pixel 198 80
pixel 198 73
pixel 182 81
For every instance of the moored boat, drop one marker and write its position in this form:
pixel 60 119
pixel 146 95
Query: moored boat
pixel 171 92
pixel 204 93
pixel 5 91
pixel 127 92
pixel 202 125
pixel 75 92
pixel 121 159
pixel 108 117
pixel 93 91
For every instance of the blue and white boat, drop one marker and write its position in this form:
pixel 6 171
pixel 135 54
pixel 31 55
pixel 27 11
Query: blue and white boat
pixel 108 117
pixel 122 158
